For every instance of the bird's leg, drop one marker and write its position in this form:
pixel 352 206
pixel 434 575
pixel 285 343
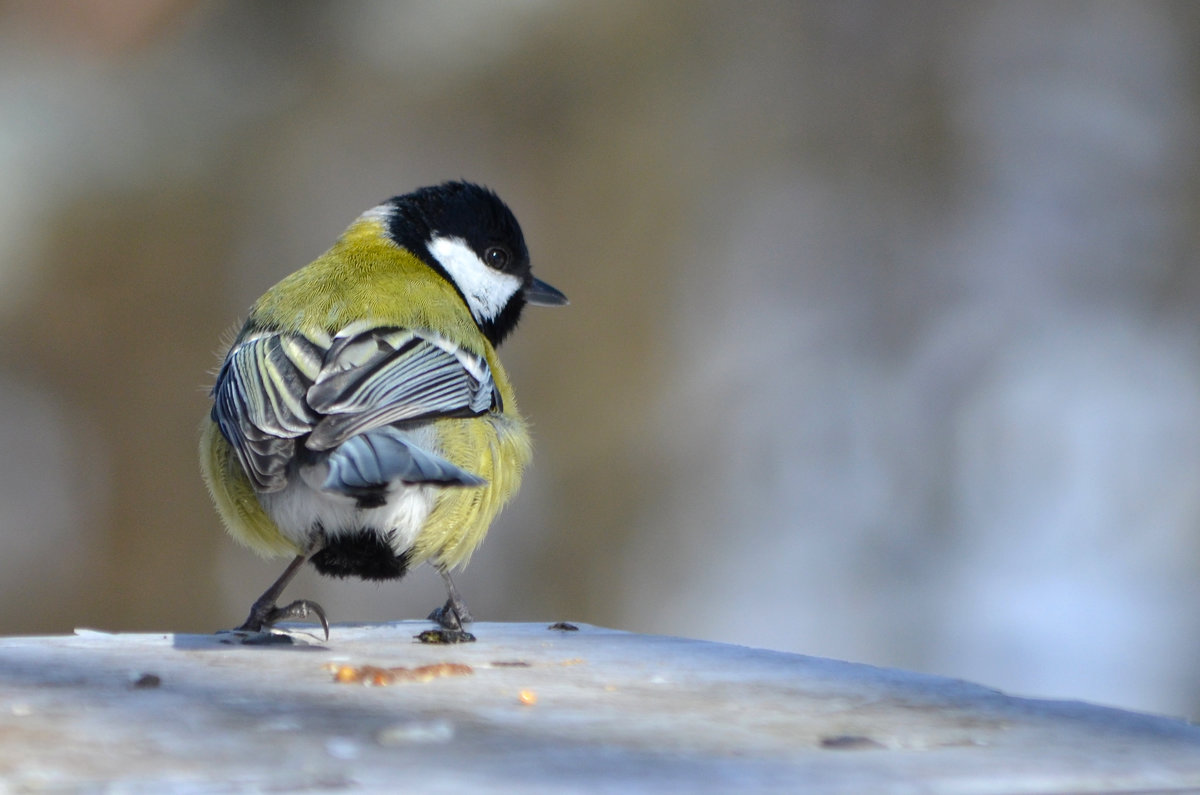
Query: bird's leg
pixel 454 613
pixel 450 616
pixel 264 613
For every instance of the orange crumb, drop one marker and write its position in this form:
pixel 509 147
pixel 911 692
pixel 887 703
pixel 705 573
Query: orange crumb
pixel 527 697
pixel 381 677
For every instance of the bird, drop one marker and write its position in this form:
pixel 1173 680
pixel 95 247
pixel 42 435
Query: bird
pixel 361 420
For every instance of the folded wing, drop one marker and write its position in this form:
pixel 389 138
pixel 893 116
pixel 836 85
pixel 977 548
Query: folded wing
pixel 351 401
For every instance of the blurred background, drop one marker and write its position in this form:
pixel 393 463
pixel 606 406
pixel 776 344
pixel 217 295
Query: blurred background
pixel 884 341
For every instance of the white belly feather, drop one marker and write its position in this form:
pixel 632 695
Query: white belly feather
pixel 300 510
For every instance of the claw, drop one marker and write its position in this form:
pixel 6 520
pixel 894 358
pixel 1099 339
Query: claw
pixel 264 613
pixel 266 616
pixel 299 610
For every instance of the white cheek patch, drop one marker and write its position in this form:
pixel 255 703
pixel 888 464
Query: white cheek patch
pixel 487 290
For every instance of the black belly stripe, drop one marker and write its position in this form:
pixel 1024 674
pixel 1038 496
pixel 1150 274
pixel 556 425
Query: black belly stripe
pixel 365 554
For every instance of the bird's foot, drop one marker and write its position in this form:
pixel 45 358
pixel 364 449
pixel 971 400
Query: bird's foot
pixel 264 615
pixel 452 615
pixel 445 636
pixel 450 618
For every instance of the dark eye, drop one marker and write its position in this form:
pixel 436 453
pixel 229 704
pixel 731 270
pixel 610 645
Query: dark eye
pixel 497 257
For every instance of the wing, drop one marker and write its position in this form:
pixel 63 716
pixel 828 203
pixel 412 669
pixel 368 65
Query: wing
pixel 260 406
pixel 347 399
pixel 378 376
pixel 373 459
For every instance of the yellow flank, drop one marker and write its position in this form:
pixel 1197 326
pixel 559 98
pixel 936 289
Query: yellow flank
pixel 495 447
pixel 365 276
pixel 235 499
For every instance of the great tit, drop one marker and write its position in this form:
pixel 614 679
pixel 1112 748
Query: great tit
pixel 361 420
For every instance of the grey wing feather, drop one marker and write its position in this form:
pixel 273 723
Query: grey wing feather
pixel 377 457
pixel 405 377
pixel 259 404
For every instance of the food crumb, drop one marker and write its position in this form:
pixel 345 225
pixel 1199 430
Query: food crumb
pixel 381 677
pixel 527 697
pixel 344 674
pixel 147 681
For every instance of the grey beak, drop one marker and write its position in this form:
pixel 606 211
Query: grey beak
pixel 538 293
